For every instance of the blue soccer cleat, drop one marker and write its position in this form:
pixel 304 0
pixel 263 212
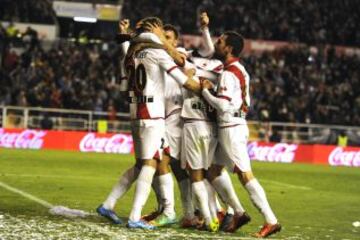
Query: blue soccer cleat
pixel 140 224
pixel 109 214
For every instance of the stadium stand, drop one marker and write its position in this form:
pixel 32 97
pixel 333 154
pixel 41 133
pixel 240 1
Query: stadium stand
pixel 332 21
pixel 288 85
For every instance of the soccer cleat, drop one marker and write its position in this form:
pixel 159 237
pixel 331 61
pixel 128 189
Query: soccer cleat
pixel 109 214
pixel 221 215
pixel 151 216
pixel 268 229
pixel 213 226
pixel 140 224
pixel 237 222
pixel 226 221
pixel 194 222
pixel 163 220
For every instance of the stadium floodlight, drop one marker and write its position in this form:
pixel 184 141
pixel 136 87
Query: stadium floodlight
pixel 85 19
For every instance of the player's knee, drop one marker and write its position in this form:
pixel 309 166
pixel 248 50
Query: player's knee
pixel 196 175
pixel 180 174
pixel 214 172
pixel 245 177
pixel 150 162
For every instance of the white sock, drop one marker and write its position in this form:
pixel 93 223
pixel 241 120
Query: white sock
pixel 258 197
pixel 201 194
pixel 156 187
pixel 186 198
pixel 212 199
pixel 121 187
pixel 230 210
pixel 219 208
pixel 225 189
pixel 167 193
pixel 142 191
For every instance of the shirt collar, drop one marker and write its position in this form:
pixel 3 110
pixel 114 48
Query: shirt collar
pixel 231 61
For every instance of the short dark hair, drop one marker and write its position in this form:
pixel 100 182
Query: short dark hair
pixel 152 20
pixel 236 41
pixel 169 27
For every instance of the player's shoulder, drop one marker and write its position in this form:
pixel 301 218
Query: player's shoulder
pixel 236 69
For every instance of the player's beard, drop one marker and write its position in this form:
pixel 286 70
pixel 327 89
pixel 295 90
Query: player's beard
pixel 219 56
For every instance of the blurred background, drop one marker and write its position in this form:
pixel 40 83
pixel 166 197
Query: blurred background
pixel 60 64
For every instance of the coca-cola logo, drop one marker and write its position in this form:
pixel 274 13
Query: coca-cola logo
pixel 341 157
pixel 118 143
pixel 280 152
pixel 30 139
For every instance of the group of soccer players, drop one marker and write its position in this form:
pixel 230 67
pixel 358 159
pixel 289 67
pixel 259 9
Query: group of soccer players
pixel 188 112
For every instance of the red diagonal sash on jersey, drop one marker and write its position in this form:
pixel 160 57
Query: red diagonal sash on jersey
pixel 237 72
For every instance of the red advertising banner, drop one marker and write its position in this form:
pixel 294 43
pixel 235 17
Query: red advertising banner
pixel 122 143
pixel 66 140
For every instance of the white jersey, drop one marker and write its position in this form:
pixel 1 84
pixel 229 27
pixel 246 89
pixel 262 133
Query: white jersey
pixel 147 78
pixel 173 94
pixel 234 86
pixel 195 107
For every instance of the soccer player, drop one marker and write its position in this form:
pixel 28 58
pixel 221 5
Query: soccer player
pixel 232 102
pixel 146 71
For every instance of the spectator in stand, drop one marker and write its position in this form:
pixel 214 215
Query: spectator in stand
pixel 309 21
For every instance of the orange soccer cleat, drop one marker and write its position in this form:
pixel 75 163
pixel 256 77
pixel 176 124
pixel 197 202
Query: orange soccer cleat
pixel 268 229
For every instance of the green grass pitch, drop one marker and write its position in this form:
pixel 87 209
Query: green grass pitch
pixel 311 202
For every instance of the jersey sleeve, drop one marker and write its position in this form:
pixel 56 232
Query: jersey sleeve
pixel 168 64
pixel 225 86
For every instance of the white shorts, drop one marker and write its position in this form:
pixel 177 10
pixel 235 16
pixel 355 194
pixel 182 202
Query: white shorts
pixel 174 126
pixel 232 148
pixel 198 145
pixel 149 138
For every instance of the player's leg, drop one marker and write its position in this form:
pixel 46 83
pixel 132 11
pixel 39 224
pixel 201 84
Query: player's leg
pixel 142 191
pixel 106 209
pixel 201 194
pixel 148 135
pixel 242 168
pixel 174 130
pixel 183 180
pixel 167 193
pixel 259 199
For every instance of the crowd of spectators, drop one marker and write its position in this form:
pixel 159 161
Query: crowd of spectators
pixel 68 75
pixel 309 21
pixel 296 85
pixel 288 85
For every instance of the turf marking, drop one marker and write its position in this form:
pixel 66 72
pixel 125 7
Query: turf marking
pixel 286 185
pixel 117 235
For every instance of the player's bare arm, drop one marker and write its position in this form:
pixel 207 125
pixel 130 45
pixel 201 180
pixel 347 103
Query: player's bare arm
pixel 191 84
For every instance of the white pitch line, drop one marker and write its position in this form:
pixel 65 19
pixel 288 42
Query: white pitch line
pixel 107 232
pixel 49 205
pixel 286 185
pixel 26 195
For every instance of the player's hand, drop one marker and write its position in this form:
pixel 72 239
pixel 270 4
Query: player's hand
pixel 190 72
pixel 204 20
pixel 206 84
pixel 156 29
pixel 124 26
